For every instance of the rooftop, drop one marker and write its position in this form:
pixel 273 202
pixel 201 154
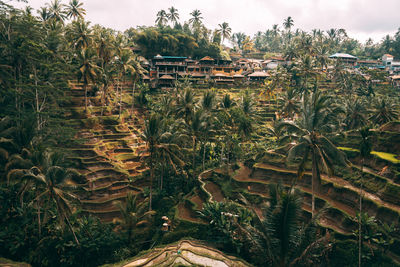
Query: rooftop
pixel 167 77
pixel 259 74
pixel 342 55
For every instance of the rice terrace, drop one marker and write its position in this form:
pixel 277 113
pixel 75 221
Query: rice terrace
pixel 178 133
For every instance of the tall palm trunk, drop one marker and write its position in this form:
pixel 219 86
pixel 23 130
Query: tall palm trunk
pixel 120 98
pixel 204 155
pixel 133 96
pixel 39 219
pixel 314 181
pixel 103 99
pixel 360 211
pixel 86 100
pixel 194 157
pixel 151 179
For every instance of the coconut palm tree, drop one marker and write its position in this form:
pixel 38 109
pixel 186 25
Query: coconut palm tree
pixel 56 10
pixel 208 101
pixel 238 38
pixel 44 14
pixel 137 72
pixel 355 113
pixel 185 104
pixel 80 34
pixel 224 30
pixel 322 57
pixel 159 145
pixel 289 103
pixel 195 21
pixel 87 70
pixel 317 117
pixel 194 129
pixel 288 23
pixel 151 135
pixel 173 15
pixel 53 184
pixel 306 68
pixel 365 150
pixel 383 111
pixel 162 18
pixel 133 214
pixel 280 234
pixel 75 10
pixel 124 62
pixel 227 102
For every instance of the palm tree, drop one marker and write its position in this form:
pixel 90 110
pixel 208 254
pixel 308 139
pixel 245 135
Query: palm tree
pixel 80 34
pixel 159 145
pixel 75 10
pixel 288 104
pixel 185 104
pixel 162 18
pixel 87 70
pixel 317 116
pixel 288 23
pixel 306 67
pixel 208 101
pixel 195 21
pixel 275 30
pixel 354 111
pixel 125 61
pixel 227 102
pixel 383 111
pixel 173 15
pixel 151 135
pixel 137 72
pixel 224 30
pixel 105 53
pixel 281 236
pixel 195 128
pixel 53 184
pixel 238 38
pixel 365 150
pixel 56 10
pixel 322 56
pixel 44 14
pixel 133 214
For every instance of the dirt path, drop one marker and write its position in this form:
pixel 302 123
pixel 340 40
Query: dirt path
pixel 215 191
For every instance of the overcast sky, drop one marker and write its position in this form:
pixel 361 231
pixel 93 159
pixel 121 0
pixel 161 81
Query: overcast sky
pixel 361 18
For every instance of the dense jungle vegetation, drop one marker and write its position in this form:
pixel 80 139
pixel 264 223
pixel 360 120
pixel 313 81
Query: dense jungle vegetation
pixel 204 150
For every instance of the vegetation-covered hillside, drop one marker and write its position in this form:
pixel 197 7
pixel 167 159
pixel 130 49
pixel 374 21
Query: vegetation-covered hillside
pixel 97 166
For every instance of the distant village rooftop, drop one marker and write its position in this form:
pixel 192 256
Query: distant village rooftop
pixel 342 55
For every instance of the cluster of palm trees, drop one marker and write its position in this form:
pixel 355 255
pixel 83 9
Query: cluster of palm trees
pixel 40 171
pixel 186 128
pixel 195 23
pixel 277 238
pixel 103 57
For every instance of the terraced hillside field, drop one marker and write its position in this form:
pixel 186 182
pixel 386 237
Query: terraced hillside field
pixel 110 154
